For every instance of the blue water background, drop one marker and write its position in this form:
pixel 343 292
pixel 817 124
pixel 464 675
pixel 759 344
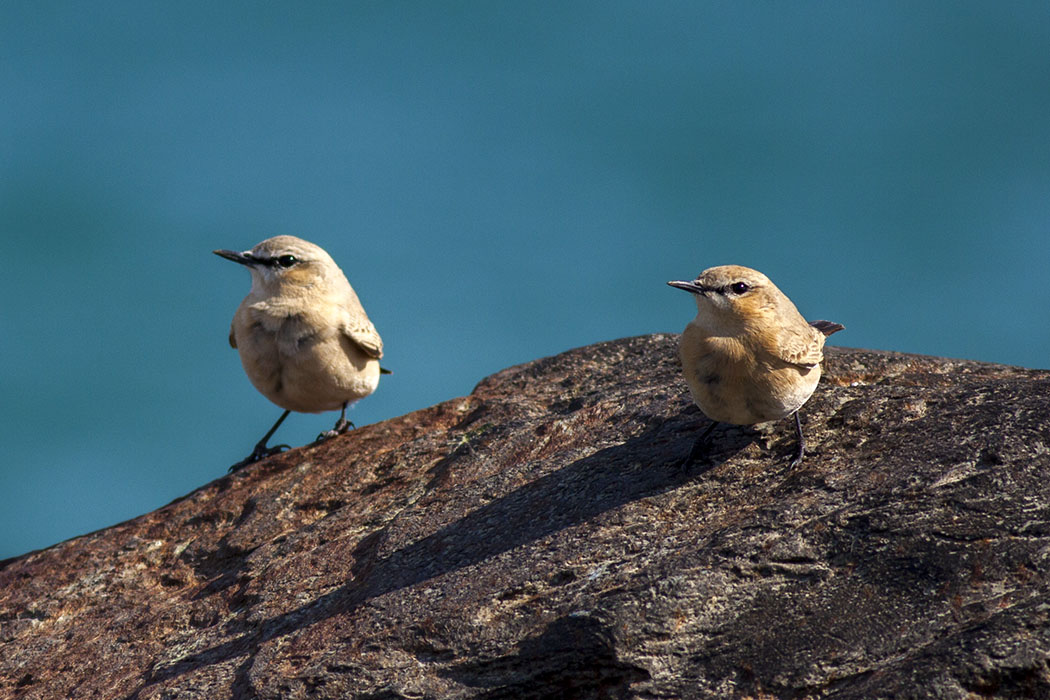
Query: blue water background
pixel 500 181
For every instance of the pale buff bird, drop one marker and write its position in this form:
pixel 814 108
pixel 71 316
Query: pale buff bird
pixel 304 339
pixel 749 356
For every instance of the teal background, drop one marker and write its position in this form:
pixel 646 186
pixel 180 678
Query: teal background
pixel 500 181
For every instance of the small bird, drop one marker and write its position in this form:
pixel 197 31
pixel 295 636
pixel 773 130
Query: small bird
pixel 304 339
pixel 749 356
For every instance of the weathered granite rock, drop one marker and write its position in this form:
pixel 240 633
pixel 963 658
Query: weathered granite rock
pixel 537 539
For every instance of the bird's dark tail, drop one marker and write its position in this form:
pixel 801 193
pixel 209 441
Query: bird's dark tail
pixel 827 327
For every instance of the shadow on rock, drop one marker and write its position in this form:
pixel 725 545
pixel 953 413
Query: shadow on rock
pixel 643 466
pixel 574 657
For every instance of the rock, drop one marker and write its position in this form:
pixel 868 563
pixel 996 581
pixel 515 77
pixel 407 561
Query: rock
pixel 539 539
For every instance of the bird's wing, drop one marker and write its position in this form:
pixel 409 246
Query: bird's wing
pixel 800 345
pixel 365 336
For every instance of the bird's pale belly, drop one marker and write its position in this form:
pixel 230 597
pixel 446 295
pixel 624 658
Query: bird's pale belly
pixel 321 375
pixel 746 393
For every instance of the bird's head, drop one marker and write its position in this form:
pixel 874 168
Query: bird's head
pixel 732 294
pixel 285 263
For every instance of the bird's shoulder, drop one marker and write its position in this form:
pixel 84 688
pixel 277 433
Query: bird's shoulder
pixel 353 322
pixel 344 311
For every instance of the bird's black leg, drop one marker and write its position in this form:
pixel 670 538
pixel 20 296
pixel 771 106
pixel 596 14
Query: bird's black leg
pixel 341 426
pixel 261 450
pixel 797 460
pixel 700 447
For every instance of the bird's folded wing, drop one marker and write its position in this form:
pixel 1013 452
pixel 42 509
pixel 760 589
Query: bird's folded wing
pixel 365 336
pixel 802 346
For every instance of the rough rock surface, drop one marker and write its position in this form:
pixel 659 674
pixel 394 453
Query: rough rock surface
pixel 538 539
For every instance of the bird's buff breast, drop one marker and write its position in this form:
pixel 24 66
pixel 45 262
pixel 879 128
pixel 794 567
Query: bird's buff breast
pixel 732 385
pixel 305 371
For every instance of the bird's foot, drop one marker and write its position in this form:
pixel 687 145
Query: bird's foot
pixel 797 457
pixel 697 454
pixel 700 450
pixel 698 460
pixel 341 426
pixel 261 451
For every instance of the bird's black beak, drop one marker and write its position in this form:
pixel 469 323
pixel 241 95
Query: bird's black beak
pixel 242 258
pixel 692 287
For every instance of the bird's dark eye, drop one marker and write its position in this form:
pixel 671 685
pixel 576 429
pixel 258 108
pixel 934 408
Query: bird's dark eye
pixel 286 260
pixel 739 287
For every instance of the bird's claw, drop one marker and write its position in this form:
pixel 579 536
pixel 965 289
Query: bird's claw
pixel 260 452
pixel 341 426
